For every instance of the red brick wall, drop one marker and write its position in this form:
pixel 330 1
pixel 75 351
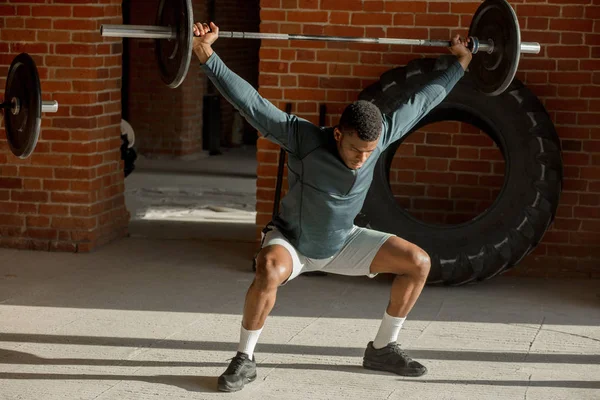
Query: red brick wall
pixel 166 121
pixel 564 75
pixel 68 195
pixel 447 173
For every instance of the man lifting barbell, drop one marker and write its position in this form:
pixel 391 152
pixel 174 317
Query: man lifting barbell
pixel 330 171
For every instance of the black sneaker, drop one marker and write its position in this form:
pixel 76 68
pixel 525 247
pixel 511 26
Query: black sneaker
pixel 241 370
pixel 392 359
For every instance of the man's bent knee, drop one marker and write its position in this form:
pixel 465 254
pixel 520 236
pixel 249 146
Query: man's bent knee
pixel 422 264
pixel 272 270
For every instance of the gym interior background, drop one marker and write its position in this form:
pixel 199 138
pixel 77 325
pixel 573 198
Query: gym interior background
pixel 69 195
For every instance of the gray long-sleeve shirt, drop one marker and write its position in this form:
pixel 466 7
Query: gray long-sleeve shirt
pixel 324 195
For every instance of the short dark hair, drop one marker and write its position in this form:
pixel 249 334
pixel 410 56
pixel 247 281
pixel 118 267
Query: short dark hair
pixel 364 118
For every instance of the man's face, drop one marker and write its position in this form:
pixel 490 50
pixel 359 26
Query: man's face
pixel 353 151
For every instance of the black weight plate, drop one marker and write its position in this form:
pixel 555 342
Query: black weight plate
pixel 495 20
pixel 23 84
pixel 174 56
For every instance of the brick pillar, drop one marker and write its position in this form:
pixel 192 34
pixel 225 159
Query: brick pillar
pixel 564 75
pixel 68 195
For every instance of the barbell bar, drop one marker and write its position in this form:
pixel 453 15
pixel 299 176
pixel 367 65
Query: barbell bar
pixel 23 106
pixel 14 105
pixel 495 42
pixel 167 33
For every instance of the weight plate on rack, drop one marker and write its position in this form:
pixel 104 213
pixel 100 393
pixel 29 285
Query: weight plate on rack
pixel 495 20
pixel 174 56
pixel 23 120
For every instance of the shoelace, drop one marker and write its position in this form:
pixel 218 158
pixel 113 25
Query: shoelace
pixel 237 363
pixel 401 353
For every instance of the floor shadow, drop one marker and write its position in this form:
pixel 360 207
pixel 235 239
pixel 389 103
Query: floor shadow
pixel 207 384
pixel 190 383
pixel 447 355
pixel 547 384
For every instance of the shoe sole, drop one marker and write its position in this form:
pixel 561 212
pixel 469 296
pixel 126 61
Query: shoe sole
pixel 229 389
pixel 388 368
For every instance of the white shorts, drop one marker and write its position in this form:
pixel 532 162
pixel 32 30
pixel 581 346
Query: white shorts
pixel 353 259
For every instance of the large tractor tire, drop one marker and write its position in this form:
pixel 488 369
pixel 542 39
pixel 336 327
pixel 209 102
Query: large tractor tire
pixel 512 227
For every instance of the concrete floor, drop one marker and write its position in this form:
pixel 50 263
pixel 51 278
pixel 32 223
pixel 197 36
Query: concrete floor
pixel 159 319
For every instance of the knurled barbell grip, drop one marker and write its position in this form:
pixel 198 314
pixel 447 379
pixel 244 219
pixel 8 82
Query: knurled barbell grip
pixel 396 41
pixel 478 45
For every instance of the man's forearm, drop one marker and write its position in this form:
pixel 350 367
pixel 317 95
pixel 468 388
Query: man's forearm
pixel 203 52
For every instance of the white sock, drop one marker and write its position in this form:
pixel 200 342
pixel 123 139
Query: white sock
pixel 248 340
pixel 388 331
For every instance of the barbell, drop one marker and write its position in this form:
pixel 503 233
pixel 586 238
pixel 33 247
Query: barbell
pixel 23 106
pixel 494 32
